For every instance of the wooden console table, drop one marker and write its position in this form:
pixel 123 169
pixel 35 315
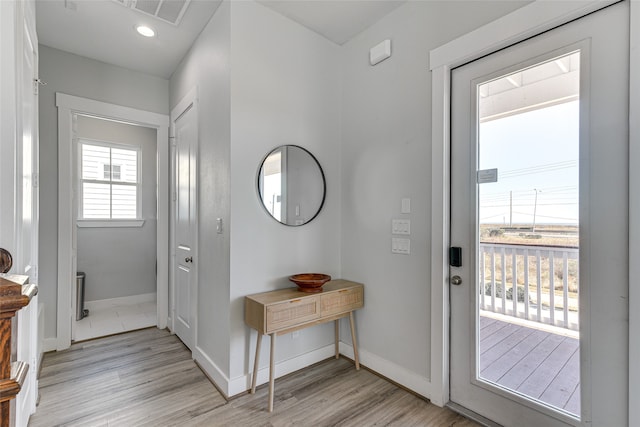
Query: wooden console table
pixel 287 310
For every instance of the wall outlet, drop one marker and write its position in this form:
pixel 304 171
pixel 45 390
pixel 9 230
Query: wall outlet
pixel 295 335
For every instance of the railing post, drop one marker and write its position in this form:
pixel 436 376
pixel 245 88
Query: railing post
pixel 526 284
pixel 493 279
pixel 538 286
pixel 482 277
pixel 552 290
pixel 514 273
pixel 565 288
pixel 503 264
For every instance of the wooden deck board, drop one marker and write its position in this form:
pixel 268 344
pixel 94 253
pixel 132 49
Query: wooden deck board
pixel 539 364
pixel 497 334
pixel 497 369
pixel 563 385
pixel 505 346
pixel 546 372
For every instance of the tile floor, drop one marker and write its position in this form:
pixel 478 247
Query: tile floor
pixel 115 319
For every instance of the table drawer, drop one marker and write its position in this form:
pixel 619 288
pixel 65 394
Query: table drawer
pixel 342 301
pixel 292 313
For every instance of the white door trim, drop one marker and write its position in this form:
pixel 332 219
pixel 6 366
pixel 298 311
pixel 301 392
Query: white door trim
pixel 517 26
pixel 68 106
pixel 8 127
pixel 190 100
pixel 634 213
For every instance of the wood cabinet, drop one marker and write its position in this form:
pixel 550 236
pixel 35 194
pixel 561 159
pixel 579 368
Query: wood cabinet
pixel 287 310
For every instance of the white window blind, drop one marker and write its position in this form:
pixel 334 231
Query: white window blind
pixel 109 181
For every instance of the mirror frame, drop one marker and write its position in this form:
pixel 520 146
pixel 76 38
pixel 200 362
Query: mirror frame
pixel 259 192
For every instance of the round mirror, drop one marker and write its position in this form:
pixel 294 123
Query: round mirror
pixel 291 185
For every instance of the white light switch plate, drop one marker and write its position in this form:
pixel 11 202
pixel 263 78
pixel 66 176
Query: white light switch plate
pixel 406 206
pixel 400 226
pixel 400 246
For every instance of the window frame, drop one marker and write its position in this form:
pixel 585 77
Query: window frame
pixel 138 221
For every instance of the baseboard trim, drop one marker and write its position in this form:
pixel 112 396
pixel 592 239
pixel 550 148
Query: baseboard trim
pixel 49 344
pixel 211 370
pixel 395 373
pixel 230 388
pixel 110 302
pixel 242 383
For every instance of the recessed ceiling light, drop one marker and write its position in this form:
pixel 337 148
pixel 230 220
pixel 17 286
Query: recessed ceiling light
pixel 145 31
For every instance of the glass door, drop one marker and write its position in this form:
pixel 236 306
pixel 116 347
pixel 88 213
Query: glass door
pixel 526 171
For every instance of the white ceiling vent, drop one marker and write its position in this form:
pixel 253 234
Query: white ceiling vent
pixel 170 11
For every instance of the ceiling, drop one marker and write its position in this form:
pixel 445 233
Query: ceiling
pixel 337 20
pixel 104 29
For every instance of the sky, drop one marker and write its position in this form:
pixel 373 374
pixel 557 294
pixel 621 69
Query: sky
pixel 534 152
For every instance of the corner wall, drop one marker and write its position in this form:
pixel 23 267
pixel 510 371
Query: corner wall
pixel 262 81
pixel 206 67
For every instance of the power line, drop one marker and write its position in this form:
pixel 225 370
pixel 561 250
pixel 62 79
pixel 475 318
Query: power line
pixel 512 173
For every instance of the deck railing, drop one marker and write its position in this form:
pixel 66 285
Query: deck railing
pixel 543 279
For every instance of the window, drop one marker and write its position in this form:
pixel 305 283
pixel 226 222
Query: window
pixel 109 181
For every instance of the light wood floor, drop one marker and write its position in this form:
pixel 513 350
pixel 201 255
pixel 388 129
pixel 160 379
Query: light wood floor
pixel 147 378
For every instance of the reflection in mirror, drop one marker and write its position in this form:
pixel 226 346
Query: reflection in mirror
pixel 291 185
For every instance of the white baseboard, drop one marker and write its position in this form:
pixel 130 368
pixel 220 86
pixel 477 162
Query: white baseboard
pixel 106 303
pixel 406 378
pixel 49 344
pixel 40 345
pixel 215 374
pixel 243 383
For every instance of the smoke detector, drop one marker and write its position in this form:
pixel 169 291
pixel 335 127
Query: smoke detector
pixel 170 11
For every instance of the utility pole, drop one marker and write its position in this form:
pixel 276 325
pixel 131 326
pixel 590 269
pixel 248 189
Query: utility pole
pixel 510 209
pixel 535 206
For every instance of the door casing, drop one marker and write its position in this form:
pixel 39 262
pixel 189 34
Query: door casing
pixel 68 106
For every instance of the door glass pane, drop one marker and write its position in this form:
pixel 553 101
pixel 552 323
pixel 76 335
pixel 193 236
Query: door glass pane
pixel 528 140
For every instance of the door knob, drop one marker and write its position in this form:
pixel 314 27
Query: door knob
pixel 456 280
pixel 188 259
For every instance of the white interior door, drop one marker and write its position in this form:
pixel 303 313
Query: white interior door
pixel 539 199
pixel 186 147
pixel 26 198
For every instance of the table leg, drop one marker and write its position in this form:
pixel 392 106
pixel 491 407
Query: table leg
pixel 272 371
pixel 337 335
pixel 355 342
pixel 255 363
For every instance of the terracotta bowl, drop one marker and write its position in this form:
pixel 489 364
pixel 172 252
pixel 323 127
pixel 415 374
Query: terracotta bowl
pixel 310 282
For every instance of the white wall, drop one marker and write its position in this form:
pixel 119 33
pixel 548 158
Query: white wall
pixel 121 261
pixel 386 156
pixel 206 67
pixel 79 76
pixel 285 89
